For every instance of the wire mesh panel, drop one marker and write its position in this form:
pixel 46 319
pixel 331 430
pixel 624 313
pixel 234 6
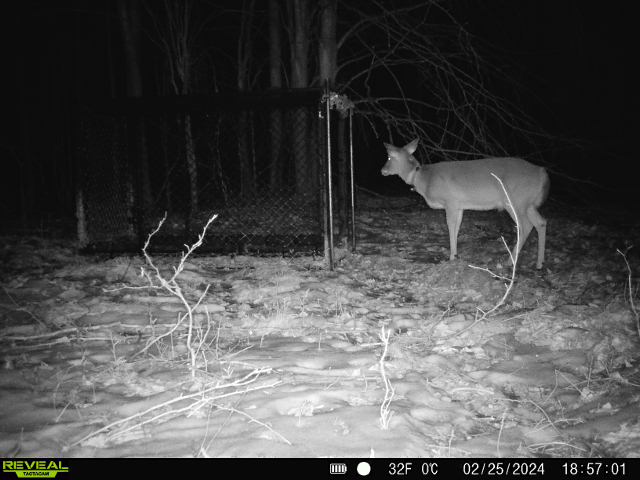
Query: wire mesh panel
pixel 106 182
pixel 256 161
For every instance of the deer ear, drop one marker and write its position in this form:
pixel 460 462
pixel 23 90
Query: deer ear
pixel 411 146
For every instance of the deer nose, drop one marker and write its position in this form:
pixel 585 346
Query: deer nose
pixel 384 172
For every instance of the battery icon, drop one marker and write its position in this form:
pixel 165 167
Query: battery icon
pixel 337 468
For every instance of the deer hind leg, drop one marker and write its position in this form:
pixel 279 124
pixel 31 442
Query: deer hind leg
pixel 525 225
pixel 454 219
pixel 540 223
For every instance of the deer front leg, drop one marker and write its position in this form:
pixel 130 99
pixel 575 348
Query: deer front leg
pixel 454 219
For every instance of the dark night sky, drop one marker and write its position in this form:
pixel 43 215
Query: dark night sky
pixel 577 59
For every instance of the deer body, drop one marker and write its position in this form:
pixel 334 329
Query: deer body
pixel 469 185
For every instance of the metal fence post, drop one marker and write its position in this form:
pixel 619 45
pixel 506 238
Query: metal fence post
pixel 329 232
pixel 352 184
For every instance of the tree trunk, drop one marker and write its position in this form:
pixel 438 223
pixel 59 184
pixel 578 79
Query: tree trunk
pixel 164 159
pixel 247 177
pixel 300 18
pixel 217 171
pixel 247 171
pixel 129 15
pixel 190 153
pixel 275 116
pixel 328 49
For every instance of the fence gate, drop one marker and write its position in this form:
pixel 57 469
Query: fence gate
pixel 258 161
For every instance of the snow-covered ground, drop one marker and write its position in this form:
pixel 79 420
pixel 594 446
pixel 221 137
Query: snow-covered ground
pixel 289 358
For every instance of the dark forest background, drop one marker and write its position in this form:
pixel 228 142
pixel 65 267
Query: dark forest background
pixel 553 81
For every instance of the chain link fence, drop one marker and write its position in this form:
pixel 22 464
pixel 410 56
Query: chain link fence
pixel 256 161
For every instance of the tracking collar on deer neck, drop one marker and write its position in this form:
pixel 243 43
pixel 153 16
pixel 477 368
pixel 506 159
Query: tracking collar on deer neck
pixel 412 175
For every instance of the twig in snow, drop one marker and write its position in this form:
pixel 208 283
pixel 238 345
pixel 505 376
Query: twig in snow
pixel 252 419
pixel 385 413
pixel 197 398
pixel 632 304
pixel 171 285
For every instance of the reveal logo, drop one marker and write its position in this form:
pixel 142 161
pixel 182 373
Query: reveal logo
pixel 34 468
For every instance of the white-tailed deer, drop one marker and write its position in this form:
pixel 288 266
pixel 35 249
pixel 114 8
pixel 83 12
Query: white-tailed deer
pixel 469 185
